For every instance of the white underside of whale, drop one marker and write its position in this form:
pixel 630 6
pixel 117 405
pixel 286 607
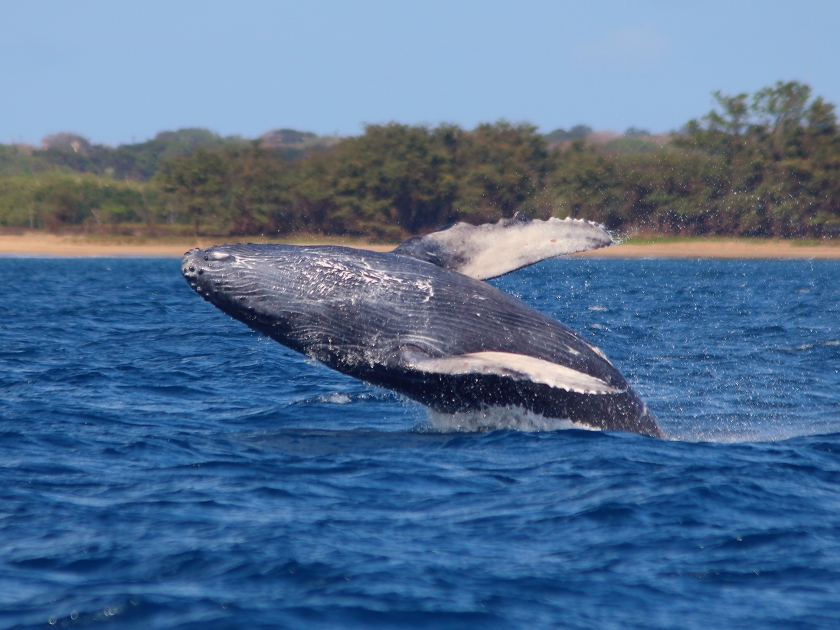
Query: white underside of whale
pixel 519 367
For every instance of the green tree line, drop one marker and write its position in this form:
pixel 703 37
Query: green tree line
pixel 766 164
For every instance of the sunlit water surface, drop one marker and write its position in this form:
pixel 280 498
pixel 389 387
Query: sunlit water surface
pixel 161 466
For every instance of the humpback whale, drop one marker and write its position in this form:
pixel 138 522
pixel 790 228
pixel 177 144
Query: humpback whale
pixel 419 320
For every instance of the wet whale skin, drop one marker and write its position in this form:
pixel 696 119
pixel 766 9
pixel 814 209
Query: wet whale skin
pixel 385 317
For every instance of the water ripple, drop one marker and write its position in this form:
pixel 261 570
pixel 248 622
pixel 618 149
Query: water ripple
pixel 163 467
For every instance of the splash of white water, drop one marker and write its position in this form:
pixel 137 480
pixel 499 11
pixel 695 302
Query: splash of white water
pixel 497 418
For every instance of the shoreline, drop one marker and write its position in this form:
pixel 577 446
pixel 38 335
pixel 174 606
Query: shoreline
pixel 36 244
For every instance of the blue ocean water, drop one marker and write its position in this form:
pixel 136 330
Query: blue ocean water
pixel 161 466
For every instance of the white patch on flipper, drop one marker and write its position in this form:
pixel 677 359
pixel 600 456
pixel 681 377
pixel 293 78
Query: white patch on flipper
pixel 494 249
pixel 513 418
pixel 519 367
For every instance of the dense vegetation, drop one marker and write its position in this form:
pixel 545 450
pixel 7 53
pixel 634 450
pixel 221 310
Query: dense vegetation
pixel 764 165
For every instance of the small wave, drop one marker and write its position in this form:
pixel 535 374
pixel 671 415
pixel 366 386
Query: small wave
pixel 495 419
pixel 599 308
pixel 727 435
pixel 337 398
pixel 333 398
pixel 342 398
pixel 797 348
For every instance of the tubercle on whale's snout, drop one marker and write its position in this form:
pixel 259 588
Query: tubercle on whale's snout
pixel 209 273
pixel 191 266
pixel 188 262
pixel 197 261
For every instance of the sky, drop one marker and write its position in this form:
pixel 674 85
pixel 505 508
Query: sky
pixel 119 72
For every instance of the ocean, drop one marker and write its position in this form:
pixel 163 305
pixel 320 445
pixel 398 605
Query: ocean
pixel 162 466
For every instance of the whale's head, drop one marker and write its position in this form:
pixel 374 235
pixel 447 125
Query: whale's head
pixel 213 273
pixel 252 283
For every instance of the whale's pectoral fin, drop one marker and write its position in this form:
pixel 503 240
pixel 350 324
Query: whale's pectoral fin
pixel 494 249
pixel 518 367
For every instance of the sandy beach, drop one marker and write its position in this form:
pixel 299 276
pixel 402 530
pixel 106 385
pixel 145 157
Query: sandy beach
pixel 42 244
pixel 720 248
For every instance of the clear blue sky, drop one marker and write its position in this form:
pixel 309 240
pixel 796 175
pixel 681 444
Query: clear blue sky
pixel 117 71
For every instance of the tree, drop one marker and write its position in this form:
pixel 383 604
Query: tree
pixel 781 107
pixel 200 183
pixel 821 118
pixel 390 180
pixel 259 192
pixel 734 117
pixel 501 170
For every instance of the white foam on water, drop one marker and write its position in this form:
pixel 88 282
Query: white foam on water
pixel 495 419
pixel 333 398
pixel 728 435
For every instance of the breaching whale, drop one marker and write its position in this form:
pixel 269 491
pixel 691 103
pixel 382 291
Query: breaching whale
pixel 420 321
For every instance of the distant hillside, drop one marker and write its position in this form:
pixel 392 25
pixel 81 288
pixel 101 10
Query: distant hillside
pixel 71 152
pixel 630 143
pixel 560 136
pixel 139 161
pixel 20 159
pixel 633 140
pixel 764 164
pixel 292 143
